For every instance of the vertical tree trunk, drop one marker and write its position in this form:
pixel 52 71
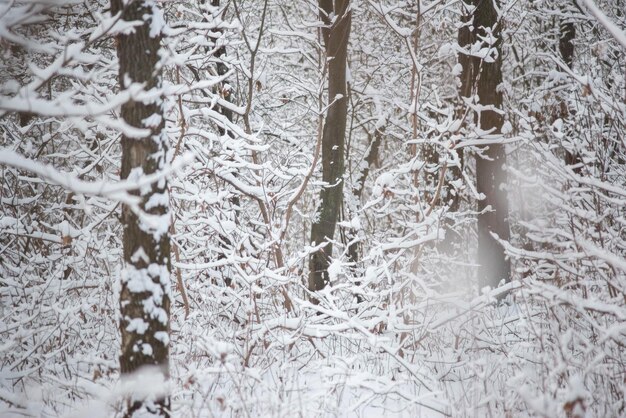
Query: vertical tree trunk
pixel 224 87
pixel 354 250
pixel 483 76
pixel 566 49
pixel 145 281
pixel 566 44
pixel 352 238
pixel 337 20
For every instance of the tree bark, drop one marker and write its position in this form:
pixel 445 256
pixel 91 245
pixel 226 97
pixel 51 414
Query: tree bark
pixel 224 87
pixel 337 20
pixel 145 280
pixel 354 248
pixel 483 77
pixel 352 239
pixel 566 49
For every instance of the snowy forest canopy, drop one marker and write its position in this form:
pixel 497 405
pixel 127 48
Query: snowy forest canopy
pixel 312 208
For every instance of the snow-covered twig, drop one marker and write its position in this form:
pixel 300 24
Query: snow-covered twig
pixel 118 191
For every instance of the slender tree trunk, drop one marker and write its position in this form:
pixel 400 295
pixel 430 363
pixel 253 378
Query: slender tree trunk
pixel 145 281
pixel 354 250
pixel 566 49
pixel 353 241
pixel 566 44
pixel 483 76
pixel 335 35
pixel 224 87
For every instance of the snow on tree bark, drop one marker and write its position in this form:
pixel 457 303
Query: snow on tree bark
pixel 145 281
pixel 482 75
pixel 337 21
pixel 566 50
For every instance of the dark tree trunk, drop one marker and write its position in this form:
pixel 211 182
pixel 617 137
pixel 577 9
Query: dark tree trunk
pixel 484 77
pixel 352 239
pixel 354 250
pixel 335 36
pixel 566 44
pixel 145 281
pixel 566 49
pixel 224 87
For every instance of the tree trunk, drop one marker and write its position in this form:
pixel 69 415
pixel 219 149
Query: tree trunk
pixel 484 78
pixel 335 35
pixel 352 239
pixel 224 87
pixel 145 280
pixel 354 250
pixel 566 49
